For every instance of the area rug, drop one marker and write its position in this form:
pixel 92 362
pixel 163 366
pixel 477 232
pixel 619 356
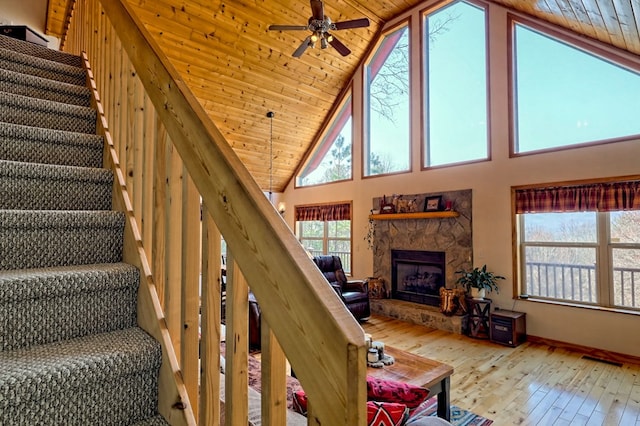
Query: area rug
pixel 459 417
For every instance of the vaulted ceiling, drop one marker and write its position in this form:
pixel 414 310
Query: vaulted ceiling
pixel 239 70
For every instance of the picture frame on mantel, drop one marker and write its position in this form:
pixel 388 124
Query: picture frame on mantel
pixel 433 204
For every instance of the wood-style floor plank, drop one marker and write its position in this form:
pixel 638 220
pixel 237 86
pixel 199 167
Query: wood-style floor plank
pixel 532 384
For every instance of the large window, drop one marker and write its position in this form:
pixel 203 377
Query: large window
pixel 387 103
pixel 331 160
pixel 455 63
pixel 581 244
pixel 565 96
pixel 326 229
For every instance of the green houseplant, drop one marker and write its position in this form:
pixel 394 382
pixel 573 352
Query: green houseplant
pixel 479 281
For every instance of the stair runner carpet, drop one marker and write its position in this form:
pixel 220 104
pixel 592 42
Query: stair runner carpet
pixel 70 349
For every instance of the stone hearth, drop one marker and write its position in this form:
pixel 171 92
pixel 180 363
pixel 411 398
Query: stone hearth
pixel 415 313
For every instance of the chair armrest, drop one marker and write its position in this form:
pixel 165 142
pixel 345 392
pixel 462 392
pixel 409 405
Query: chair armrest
pixel 356 285
pixel 337 287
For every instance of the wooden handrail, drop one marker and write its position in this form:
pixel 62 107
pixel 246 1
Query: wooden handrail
pixel 168 153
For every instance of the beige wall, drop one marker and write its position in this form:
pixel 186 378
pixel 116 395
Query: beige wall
pixel 491 184
pixel 32 13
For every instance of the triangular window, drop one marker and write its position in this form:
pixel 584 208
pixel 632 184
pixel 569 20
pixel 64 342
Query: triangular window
pixel 331 160
pixel 565 96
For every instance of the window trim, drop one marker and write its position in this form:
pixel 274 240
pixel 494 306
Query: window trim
pixel 593 48
pixel 423 83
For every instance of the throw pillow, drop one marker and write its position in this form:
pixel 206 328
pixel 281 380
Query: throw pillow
pixel 300 402
pixel 378 413
pixel 392 391
pixel 386 414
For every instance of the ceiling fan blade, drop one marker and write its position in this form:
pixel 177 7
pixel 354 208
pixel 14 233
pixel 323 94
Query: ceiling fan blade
pixel 355 23
pixel 337 44
pixel 300 50
pixel 288 27
pixel 317 8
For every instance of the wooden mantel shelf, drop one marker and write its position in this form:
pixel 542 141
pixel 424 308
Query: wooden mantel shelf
pixel 418 215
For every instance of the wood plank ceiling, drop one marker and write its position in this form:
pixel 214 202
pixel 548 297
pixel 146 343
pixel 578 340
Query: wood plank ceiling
pixel 239 70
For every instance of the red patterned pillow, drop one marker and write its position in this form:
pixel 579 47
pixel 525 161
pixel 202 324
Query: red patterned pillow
pixel 300 402
pixel 386 414
pixel 392 391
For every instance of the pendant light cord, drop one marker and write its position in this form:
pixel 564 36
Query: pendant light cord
pixel 270 114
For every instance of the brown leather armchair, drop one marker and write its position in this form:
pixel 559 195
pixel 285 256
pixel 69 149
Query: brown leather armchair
pixel 354 294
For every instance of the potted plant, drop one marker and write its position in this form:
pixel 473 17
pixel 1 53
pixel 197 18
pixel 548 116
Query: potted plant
pixel 478 281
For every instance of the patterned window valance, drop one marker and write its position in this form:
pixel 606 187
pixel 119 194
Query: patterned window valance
pixel 601 197
pixel 341 211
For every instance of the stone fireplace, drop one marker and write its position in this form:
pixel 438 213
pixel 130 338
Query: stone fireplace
pixel 417 275
pixel 449 236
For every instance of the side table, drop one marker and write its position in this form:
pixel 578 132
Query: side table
pixel 479 317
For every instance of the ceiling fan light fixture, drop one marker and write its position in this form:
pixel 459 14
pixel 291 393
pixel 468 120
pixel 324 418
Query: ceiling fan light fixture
pixel 320 24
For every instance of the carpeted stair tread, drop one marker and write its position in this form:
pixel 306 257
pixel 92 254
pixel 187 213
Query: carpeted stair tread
pixel 24 110
pixel 153 421
pixel 26 64
pixel 38 145
pixel 31 49
pixel 45 238
pixel 33 186
pixel 39 306
pixel 43 88
pixel 108 378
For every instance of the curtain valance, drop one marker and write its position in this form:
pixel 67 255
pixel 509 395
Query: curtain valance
pixel 322 212
pixel 601 197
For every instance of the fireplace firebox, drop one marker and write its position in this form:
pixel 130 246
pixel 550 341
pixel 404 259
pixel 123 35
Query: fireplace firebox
pixel 416 276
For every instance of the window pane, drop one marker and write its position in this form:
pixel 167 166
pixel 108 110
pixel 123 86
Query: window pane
pixel 561 273
pixel 331 160
pixel 311 228
pixel 342 248
pixel 626 277
pixel 339 228
pixel 565 96
pixel 312 246
pixel 560 227
pixel 456 81
pixel 388 106
pixel 625 227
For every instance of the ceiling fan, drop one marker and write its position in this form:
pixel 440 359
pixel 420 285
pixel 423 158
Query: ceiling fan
pixel 320 25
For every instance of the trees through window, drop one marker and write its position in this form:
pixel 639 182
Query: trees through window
pixel 387 147
pixel 585 254
pixel 331 160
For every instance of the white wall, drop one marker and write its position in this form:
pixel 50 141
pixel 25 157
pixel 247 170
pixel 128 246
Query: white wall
pixel 491 184
pixel 32 13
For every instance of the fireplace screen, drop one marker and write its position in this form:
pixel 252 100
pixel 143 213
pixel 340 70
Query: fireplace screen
pixel 417 276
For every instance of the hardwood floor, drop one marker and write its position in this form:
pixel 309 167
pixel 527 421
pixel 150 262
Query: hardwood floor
pixel 532 384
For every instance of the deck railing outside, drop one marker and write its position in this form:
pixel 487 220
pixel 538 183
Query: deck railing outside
pixel 579 283
pixel 183 188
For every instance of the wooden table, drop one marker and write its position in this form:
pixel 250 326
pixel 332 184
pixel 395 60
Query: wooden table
pixel 419 371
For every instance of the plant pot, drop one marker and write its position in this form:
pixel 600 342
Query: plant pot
pixel 478 293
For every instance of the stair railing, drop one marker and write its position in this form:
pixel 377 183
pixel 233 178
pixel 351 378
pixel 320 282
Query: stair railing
pixel 182 187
